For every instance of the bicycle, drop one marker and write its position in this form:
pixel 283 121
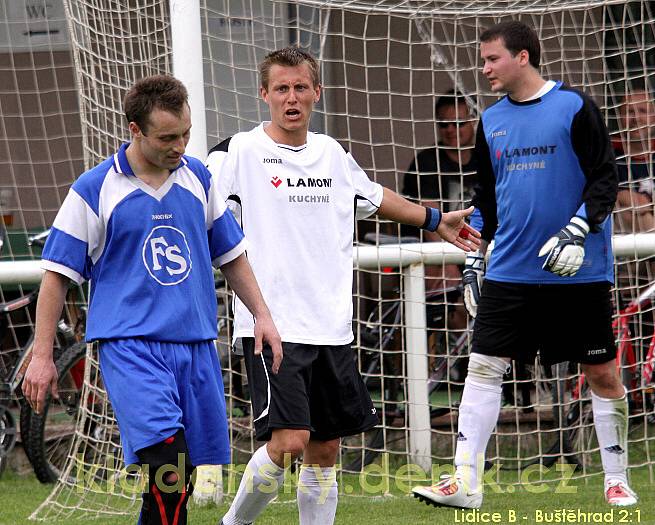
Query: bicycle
pixel 380 360
pixel 42 437
pixel 530 390
pixel 532 393
pixel 637 376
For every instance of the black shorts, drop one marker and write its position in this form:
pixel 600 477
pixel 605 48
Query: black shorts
pixel 567 322
pixel 318 388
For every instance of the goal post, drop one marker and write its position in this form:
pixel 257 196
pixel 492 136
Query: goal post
pixel 383 63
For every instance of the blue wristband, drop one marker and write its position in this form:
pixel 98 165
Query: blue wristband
pixel 432 219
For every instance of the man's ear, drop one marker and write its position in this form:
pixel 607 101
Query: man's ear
pixel 135 130
pixel 524 57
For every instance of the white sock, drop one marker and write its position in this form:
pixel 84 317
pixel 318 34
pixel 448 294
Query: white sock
pixel 317 495
pixel 259 485
pixel 478 414
pixel 611 422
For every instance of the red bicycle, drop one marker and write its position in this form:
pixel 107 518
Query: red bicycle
pixel 635 361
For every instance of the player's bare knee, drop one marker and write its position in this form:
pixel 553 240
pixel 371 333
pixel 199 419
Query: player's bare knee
pixel 286 442
pixel 604 379
pixel 322 453
pixel 170 481
pixel 487 370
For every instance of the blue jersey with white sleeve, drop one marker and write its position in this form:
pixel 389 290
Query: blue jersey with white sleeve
pixel 540 163
pixel 147 253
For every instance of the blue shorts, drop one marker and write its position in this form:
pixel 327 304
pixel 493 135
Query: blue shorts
pixel 156 388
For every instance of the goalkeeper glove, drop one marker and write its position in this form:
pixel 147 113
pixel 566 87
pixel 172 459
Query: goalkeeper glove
pixel 473 276
pixel 565 249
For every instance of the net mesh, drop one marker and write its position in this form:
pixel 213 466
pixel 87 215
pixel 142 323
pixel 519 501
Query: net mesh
pixel 383 66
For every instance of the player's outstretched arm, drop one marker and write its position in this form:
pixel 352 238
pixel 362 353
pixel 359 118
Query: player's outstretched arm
pixel 450 226
pixel 41 374
pixel 240 277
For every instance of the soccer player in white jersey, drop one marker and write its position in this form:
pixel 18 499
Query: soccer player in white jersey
pixel 297 192
pixel 144 227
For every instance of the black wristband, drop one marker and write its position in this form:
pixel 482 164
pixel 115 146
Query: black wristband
pixel 432 219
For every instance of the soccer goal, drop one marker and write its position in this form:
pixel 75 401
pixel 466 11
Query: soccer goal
pixel 384 63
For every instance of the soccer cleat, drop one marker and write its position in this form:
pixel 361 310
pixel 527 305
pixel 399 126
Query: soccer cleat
pixel 449 492
pixel 618 493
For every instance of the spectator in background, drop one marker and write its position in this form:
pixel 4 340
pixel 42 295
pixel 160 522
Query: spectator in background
pixel 635 153
pixel 441 176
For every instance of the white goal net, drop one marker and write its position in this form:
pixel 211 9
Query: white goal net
pixel 385 64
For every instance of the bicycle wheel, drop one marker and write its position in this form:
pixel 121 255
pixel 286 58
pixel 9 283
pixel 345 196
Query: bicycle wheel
pixel 359 451
pixel 580 432
pixel 532 424
pixel 7 436
pixel 447 370
pixel 51 433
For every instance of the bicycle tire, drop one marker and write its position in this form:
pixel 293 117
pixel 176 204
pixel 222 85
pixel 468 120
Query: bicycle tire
pixel 24 423
pixel 48 449
pixel 580 432
pixel 441 377
pixel 355 460
pixel 26 412
pixel 542 441
pixel 7 436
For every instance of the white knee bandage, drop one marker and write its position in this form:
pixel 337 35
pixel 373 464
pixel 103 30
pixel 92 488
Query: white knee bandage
pixel 487 370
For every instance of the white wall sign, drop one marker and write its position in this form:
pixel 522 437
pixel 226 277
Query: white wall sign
pixel 33 25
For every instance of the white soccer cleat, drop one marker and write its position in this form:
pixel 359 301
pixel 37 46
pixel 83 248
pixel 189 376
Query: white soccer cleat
pixel 449 492
pixel 618 493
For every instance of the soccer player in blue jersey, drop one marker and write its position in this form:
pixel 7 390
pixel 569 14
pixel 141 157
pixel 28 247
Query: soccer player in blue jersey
pixel 144 227
pixel 298 192
pixel 545 187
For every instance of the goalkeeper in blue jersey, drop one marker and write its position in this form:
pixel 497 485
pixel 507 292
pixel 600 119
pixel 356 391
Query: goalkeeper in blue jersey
pixel 545 187
pixel 144 227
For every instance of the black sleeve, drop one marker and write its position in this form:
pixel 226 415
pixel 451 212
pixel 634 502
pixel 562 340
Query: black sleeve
pixel 222 146
pixel 410 181
pixel 484 186
pixel 591 143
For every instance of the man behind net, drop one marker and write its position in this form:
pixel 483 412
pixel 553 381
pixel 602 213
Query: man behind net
pixel 144 227
pixel 300 194
pixel 545 186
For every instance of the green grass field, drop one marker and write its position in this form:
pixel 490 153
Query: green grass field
pixel 19 496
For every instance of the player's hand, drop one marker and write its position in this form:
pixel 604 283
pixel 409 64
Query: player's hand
pixel 266 332
pixel 41 376
pixel 565 249
pixel 473 275
pixel 454 229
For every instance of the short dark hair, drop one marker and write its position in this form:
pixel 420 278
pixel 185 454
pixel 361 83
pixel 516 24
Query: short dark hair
pixel 155 92
pixel 290 56
pixel 516 36
pixel 451 98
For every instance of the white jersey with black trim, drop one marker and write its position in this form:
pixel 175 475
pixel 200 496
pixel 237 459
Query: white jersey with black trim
pixel 147 252
pixel 298 211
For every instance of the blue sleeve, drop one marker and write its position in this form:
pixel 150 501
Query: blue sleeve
pixel 476 220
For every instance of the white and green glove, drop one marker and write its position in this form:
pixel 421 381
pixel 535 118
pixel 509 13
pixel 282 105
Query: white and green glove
pixel 472 277
pixel 565 249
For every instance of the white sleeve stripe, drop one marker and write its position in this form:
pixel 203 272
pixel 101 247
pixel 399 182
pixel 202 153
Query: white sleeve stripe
pixel 73 217
pixel 232 254
pixel 115 188
pixel 63 270
pixel 188 180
